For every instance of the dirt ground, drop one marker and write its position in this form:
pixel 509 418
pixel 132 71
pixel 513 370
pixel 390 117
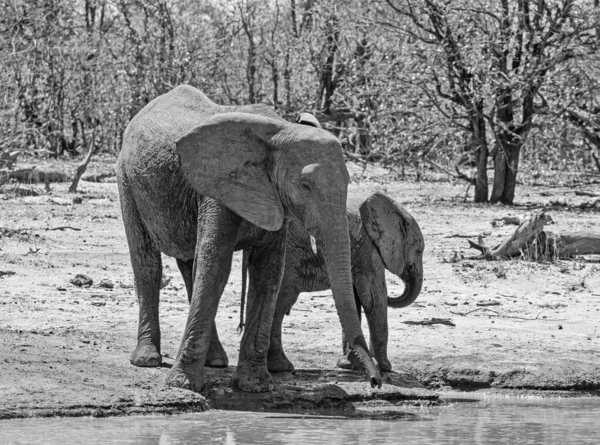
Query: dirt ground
pixel 517 325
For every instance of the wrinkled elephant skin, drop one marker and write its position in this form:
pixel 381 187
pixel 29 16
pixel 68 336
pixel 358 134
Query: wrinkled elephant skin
pixel 198 181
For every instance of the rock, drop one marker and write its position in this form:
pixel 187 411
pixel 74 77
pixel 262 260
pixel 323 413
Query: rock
pixel 60 201
pixel 81 280
pixel 106 284
pixel 488 303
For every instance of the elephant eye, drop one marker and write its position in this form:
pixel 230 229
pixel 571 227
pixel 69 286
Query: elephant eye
pixel 306 186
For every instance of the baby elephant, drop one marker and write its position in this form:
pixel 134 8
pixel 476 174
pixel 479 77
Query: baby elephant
pixel 383 235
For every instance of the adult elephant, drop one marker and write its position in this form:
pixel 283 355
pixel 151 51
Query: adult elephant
pixel 383 235
pixel 198 181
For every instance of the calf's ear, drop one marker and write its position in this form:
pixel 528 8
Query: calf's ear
pixel 388 225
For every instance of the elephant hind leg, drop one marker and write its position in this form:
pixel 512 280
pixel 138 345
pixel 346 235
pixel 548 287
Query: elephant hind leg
pixel 147 272
pixel 216 356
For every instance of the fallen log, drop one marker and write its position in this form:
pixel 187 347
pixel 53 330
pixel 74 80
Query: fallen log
pixel 16 190
pixel 99 177
pixel 34 175
pixel 570 244
pixel 532 239
pixel 586 193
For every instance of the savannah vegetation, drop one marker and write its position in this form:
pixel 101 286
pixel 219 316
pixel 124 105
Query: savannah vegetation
pixel 495 92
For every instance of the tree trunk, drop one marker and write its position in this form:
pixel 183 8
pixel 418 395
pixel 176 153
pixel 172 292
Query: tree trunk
pixel 287 80
pixel 512 168
pixel 275 80
pixel 328 83
pixel 248 23
pixel 479 144
pixel 251 70
pixel 506 166
pixel 499 174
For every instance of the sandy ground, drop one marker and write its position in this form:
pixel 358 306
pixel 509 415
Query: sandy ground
pixel 518 325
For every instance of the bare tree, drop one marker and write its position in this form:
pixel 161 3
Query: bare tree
pixel 496 56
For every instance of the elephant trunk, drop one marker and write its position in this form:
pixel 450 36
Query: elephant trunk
pixel 413 281
pixel 335 243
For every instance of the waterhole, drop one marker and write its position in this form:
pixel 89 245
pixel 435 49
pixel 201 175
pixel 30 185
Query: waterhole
pixel 458 421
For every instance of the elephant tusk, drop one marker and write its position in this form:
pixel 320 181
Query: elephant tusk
pixel 313 244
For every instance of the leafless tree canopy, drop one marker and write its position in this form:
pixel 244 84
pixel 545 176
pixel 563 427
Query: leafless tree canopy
pixel 482 84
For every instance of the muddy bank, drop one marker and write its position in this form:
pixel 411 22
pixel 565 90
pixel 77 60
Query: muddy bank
pixel 300 391
pixel 514 326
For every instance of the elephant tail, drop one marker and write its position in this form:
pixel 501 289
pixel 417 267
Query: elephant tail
pixel 240 327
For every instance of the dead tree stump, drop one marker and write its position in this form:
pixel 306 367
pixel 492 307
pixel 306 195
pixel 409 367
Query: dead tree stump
pixel 516 243
pixel 530 237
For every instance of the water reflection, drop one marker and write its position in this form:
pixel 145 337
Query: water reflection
pixel 487 421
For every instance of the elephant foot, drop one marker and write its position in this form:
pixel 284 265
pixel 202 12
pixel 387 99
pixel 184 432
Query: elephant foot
pixel 350 361
pixel 185 377
pixel 146 355
pixel 384 364
pixel 216 357
pixel 278 362
pixel 252 378
pixel 217 362
pixel 344 362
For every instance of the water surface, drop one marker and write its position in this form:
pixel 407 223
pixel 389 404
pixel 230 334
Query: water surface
pixel 485 421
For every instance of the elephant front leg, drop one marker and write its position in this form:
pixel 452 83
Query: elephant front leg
pixel 266 269
pixel 216 356
pixel 214 250
pixel 277 361
pixel 349 360
pixel 370 294
pixel 378 329
pixel 374 300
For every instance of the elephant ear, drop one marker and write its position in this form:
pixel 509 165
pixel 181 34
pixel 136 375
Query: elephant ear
pixel 227 158
pixel 308 119
pixel 388 225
